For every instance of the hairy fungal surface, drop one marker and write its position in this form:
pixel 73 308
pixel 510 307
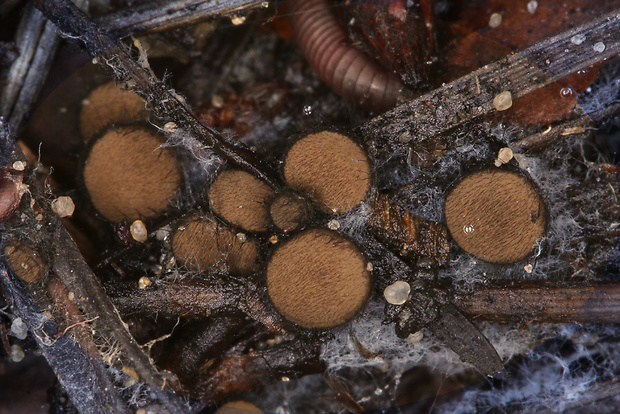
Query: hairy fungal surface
pixel 109 104
pixel 332 168
pixel 128 176
pixel 238 407
pixel 289 211
pixel 318 279
pixel 201 243
pixel 240 199
pixel 495 215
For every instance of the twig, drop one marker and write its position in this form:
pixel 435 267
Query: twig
pixel 165 103
pixel 537 302
pixel 471 96
pixel 195 297
pixel 70 363
pixel 164 15
pixel 551 134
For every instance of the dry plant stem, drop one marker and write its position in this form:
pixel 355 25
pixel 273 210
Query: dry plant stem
pixel 542 139
pixel 536 302
pixel 71 363
pixel 237 373
pixel 157 16
pixel 520 73
pixel 199 298
pixel 37 41
pixel 165 103
pixel 76 275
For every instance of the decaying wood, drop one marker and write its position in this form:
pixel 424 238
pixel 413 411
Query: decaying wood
pixel 568 127
pixel 37 41
pixel 471 96
pixel 70 363
pixel 165 103
pixel 163 15
pixel 198 298
pixel 410 236
pixel 528 301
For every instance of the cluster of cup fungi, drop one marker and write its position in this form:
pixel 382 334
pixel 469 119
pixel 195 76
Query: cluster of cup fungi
pixel 315 277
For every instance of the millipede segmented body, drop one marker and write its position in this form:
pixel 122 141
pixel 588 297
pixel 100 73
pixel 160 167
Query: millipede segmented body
pixel 344 68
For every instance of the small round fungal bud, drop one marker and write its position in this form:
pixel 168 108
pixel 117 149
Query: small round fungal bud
pixel 25 261
pixel 138 231
pixel 289 211
pixel 240 199
pixel 495 20
pixel 502 101
pixel 397 293
pixel 330 167
pixel 496 216
pixel 504 155
pixel 201 243
pixel 109 104
pixel 144 282
pixel 318 279
pixel 63 206
pixel 238 407
pixel 128 176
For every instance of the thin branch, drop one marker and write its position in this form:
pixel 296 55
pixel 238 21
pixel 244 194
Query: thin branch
pixel 511 301
pixel 165 103
pixel 471 96
pixel 70 363
pixel 164 15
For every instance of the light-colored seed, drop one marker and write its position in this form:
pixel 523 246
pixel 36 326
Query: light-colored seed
pixel 144 282
pixel 495 20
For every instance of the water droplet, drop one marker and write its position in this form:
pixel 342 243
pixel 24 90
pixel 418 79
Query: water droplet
pixel 468 229
pixel 599 47
pixel 578 39
pixel 532 6
pixel 307 110
pixel 566 91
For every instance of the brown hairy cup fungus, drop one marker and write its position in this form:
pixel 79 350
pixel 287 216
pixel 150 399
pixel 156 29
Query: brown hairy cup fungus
pixel 128 176
pixel 330 167
pixel 238 407
pixel 496 216
pixel 201 243
pixel 109 104
pixel 240 199
pixel 289 211
pixel 318 279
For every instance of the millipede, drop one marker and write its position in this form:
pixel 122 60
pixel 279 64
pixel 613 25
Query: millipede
pixel 344 68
